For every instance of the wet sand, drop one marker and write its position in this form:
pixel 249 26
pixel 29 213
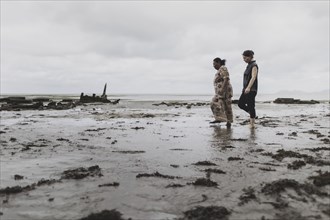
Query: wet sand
pixel 145 161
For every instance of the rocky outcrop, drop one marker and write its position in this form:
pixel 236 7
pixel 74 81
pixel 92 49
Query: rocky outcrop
pixel 294 101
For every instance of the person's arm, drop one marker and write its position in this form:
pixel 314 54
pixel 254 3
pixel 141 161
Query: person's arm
pixel 253 78
pixel 225 79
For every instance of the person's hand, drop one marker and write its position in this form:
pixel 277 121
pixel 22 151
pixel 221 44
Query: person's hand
pixel 247 90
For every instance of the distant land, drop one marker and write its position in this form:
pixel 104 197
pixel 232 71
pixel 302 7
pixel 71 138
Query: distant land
pixel 323 95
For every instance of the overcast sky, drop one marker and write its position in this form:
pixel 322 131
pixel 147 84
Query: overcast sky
pixel 162 46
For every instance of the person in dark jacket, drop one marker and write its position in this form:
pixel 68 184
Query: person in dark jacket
pixel 250 86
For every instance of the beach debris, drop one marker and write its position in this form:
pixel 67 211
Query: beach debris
pixel 95 130
pixel 326 140
pixel 181 104
pixel 21 103
pixel 294 101
pixel 63 139
pixel 174 185
pixel 204 182
pixel 138 128
pixel 266 169
pixel 18 189
pixel 227 147
pixel 129 151
pixel 157 174
pixel 278 186
pixel 234 158
pixel 81 172
pixel 218 171
pixel 295 165
pixel 322 179
pixel 204 163
pixel 105 215
pixel 174 165
pixel 318 149
pixel 247 196
pixel 238 139
pixel 18 177
pixel 12 139
pixel 181 149
pixel 281 154
pixel 293 134
pixel 109 184
pixel 206 212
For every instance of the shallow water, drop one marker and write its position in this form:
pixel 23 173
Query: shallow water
pixel 173 136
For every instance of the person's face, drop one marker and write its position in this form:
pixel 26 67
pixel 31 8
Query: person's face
pixel 247 59
pixel 216 65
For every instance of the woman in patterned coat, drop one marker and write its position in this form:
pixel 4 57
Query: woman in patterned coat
pixel 221 102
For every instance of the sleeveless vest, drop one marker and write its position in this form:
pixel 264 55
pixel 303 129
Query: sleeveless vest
pixel 248 75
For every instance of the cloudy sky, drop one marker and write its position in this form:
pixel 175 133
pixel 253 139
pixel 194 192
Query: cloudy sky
pixel 162 46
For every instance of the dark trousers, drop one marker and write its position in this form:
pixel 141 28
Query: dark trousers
pixel 247 103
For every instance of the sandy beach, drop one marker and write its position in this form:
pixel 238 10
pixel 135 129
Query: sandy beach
pixel 144 161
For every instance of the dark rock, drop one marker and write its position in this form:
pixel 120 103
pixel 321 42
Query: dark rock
pixel 238 139
pixel 295 165
pixel 204 182
pixel 174 165
pixel 278 186
pixel 16 189
pixel 96 130
pixel 266 169
pixel 247 196
pixel 234 158
pixel 12 139
pixel 318 149
pixel 47 182
pixel 137 128
pixel 18 177
pixel 206 213
pixel 281 154
pixel 215 171
pixel 322 179
pixel 109 184
pixel 63 139
pixel 156 174
pixel 294 101
pixel 174 185
pixel 81 172
pixel 129 151
pixel 104 215
pixel 204 163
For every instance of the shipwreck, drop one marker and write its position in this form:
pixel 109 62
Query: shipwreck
pixel 103 98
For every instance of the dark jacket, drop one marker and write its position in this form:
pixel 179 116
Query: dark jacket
pixel 248 75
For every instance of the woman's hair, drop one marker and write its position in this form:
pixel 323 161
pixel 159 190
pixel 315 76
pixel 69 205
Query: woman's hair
pixel 221 61
pixel 248 53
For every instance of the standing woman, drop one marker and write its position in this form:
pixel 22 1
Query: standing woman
pixel 221 102
pixel 250 86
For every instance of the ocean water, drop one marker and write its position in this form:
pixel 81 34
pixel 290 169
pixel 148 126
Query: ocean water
pixel 176 97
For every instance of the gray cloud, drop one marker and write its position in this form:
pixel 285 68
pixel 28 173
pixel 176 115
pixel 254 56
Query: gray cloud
pixel 161 47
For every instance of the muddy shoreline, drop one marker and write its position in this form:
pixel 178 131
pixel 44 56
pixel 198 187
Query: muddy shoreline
pixel 151 161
